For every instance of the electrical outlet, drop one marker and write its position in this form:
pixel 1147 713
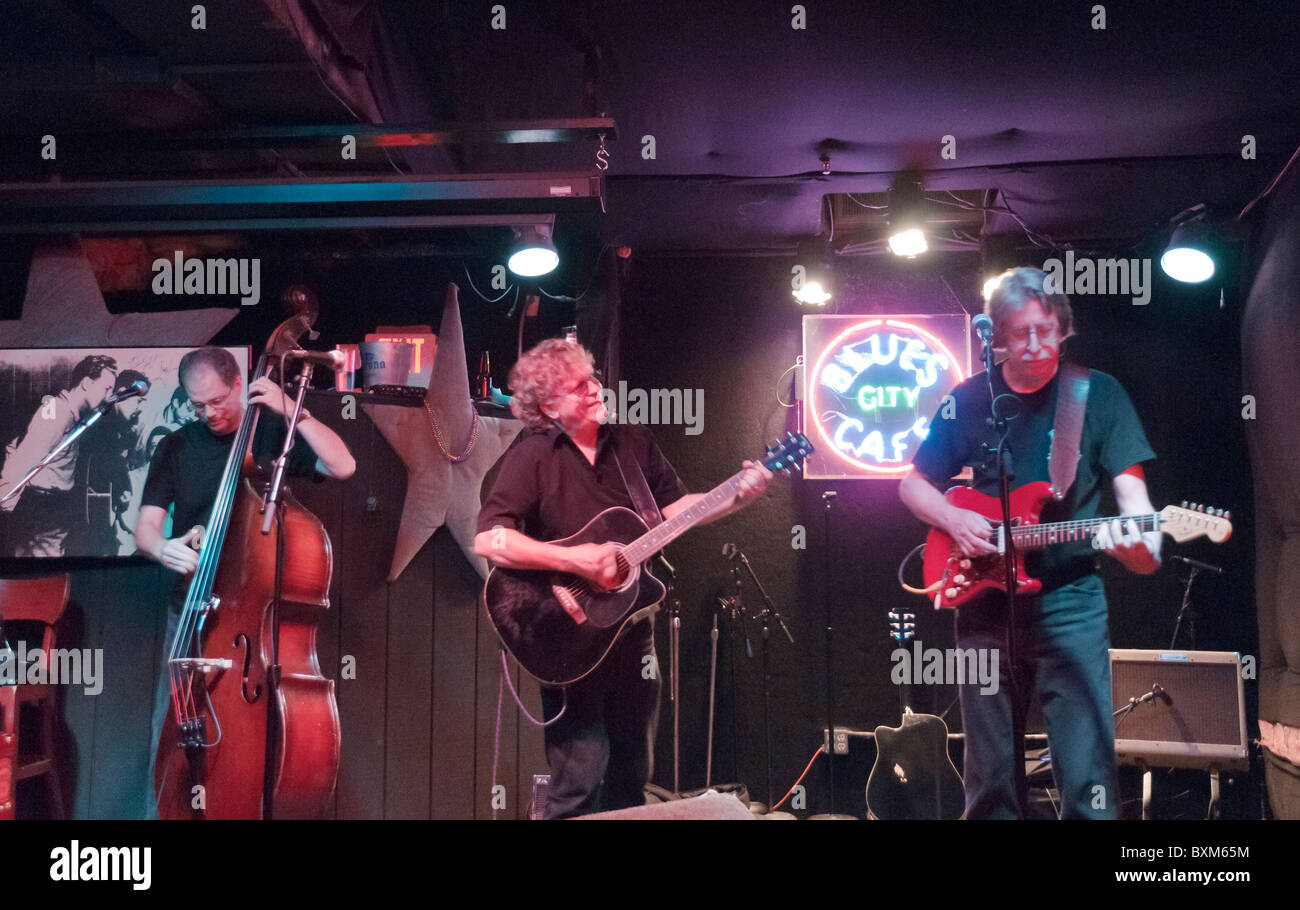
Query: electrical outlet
pixel 841 741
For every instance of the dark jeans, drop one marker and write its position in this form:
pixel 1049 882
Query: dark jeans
pixel 1063 647
pixel 607 732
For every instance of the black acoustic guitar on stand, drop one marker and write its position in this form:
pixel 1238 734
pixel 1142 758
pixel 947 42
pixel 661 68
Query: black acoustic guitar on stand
pixel 913 777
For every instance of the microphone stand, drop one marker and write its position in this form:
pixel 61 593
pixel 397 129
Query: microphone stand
pixel 767 615
pixel 674 668
pixel 828 497
pixel 1192 572
pixel 1006 474
pixel 270 500
pixel 73 435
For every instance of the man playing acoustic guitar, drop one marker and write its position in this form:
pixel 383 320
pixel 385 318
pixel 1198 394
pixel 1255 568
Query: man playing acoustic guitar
pixel 555 478
pixel 1062 639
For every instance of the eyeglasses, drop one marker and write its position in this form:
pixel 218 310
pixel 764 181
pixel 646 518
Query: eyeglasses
pixel 200 407
pixel 583 385
pixel 1046 334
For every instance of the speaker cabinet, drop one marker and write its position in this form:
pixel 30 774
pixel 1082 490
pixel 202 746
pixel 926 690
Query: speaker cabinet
pixel 1201 721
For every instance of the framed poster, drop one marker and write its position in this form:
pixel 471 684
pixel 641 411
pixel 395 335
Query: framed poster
pixel 85 502
pixel 872 385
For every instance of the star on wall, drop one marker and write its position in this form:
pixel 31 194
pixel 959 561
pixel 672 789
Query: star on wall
pixel 440 491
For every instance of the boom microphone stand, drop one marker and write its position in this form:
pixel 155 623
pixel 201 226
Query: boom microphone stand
pixel 767 615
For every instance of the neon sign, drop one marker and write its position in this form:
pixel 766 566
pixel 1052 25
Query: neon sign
pixel 872 390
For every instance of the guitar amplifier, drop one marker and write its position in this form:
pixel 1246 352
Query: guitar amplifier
pixel 1199 720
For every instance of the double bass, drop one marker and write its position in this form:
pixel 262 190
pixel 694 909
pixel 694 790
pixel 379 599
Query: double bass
pixel 238 740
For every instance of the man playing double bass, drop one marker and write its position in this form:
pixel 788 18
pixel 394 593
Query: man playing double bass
pixel 186 471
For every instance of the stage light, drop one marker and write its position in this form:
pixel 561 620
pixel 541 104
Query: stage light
pixel 1188 257
pixel 815 268
pixel 909 243
pixel 812 294
pixel 907 218
pixel 533 253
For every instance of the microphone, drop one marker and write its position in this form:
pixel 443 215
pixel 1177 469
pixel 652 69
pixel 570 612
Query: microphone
pixel 983 326
pixel 139 387
pixel 1203 566
pixel 1160 693
pixel 336 360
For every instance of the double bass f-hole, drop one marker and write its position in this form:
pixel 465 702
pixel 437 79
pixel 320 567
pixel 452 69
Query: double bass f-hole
pixel 241 641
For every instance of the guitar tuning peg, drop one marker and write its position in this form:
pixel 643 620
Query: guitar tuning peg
pixel 1227 514
pixel 1184 503
pixel 785 471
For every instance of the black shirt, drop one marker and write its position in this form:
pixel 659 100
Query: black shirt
pixel 548 490
pixel 1112 441
pixel 186 469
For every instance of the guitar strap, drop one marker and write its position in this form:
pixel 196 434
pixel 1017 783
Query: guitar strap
pixel 637 488
pixel 1067 430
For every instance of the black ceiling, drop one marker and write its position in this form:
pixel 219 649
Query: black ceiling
pixel 1091 135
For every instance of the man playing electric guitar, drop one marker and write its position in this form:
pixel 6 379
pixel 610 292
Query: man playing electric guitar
pixel 1062 639
pixel 555 478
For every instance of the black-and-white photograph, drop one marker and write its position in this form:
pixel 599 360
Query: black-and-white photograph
pixel 84 501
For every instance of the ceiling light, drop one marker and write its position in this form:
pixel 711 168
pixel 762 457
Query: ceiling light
pixel 533 253
pixel 1188 257
pixel 907 218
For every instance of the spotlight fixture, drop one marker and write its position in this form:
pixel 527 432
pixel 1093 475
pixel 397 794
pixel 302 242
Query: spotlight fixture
pixel 907 218
pixel 817 260
pixel 532 253
pixel 1188 258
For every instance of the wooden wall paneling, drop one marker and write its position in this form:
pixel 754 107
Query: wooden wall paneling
pixel 410 689
pixel 460 788
pixel 363 551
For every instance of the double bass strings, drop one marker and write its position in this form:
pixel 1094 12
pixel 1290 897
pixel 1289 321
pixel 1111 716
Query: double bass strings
pixel 192 616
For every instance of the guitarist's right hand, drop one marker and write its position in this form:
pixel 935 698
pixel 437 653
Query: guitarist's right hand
pixel 596 562
pixel 970 532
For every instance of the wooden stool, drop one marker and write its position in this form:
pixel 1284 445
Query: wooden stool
pixel 40 600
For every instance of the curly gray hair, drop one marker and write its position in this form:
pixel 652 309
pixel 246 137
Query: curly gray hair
pixel 539 375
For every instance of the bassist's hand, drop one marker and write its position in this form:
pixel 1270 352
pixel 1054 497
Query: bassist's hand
pixel 970 532
pixel 596 562
pixel 178 553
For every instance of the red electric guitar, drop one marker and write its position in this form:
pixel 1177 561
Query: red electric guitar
pixel 954 579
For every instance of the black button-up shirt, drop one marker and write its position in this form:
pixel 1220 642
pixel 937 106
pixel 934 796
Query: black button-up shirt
pixel 548 490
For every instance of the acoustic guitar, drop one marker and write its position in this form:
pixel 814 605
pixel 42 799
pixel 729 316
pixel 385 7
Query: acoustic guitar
pixel 558 626
pixel 913 776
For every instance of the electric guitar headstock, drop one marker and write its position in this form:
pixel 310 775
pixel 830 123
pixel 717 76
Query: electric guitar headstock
pixel 1188 521
pixel 787 453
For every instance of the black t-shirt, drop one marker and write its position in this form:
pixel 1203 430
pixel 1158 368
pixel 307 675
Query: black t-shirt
pixel 186 469
pixel 1112 441
pixel 547 490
